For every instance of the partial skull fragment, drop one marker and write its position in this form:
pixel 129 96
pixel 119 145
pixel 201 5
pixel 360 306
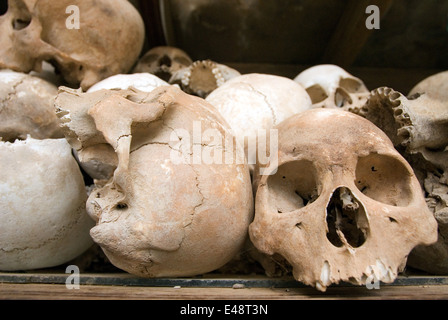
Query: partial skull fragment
pixel 202 77
pixel 163 61
pixel 330 86
pixel 108 40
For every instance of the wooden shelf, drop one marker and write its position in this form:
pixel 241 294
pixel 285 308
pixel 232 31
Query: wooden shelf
pixel 123 286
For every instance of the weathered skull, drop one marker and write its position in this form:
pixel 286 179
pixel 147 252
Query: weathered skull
pixel 43 219
pixel 100 161
pixel 343 204
pixel 330 86
pixel 107 41
pixel 163 61
pixel 162 212
pixel 420 123
pixel 202 77
pixel 435 86
pixel 26 107
pixel 418 127
pixel 252 103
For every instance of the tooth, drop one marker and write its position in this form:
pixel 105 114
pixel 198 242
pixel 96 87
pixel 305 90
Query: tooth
pixel 325 274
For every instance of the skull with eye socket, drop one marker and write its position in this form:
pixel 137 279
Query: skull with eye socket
pixel 34 31
pixel 163 61
pixel 342 205
pixel 330 86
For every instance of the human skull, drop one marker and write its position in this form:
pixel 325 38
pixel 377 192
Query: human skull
pixel 26 107
pixel 330 86
pixel 418 127
pixel 255 102
pixel 107 41
pixel 343 205
pixel 163 61
pixel 435 86
pixel 162 212
pixel 202 77
pixel 43 219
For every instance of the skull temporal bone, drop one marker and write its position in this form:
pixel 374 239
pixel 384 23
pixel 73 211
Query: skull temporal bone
pixel 341 202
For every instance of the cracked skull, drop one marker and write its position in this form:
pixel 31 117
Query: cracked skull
pixel 161 213
pixel 253 103
pixel 330 86
pixel 343 204
pixel 26 107
pixel 43 219
pixel 36 30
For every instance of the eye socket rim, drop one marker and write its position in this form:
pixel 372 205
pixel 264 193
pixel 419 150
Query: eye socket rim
pixel 317 93
pixel 276 192
pixel 399 194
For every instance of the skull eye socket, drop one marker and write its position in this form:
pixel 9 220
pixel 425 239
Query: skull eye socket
pixel 21 15
pixel 385 179
pixel 316 93
pixel 149 59
pixel 3 7
pixel 350 85
pixel 293 186
pixel 19 24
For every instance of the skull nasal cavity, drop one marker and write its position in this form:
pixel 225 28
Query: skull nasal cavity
pixel 347 222
pixel 165 61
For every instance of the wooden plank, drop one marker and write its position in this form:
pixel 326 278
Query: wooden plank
pixel 351 33
pixel 205 281
pixel 87 292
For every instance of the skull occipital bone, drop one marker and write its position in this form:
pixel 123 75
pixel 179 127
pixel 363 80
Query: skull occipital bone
pixel 43 219
pixel 254 102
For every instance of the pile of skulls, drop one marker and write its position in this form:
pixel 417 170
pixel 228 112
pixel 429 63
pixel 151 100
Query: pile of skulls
pixel 176 167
